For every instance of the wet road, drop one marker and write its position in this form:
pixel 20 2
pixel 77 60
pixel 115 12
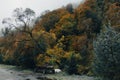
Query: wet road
pixel 9 73
pixel 6 75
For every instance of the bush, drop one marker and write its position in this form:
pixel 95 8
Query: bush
pixel 107 55
pixel 70 62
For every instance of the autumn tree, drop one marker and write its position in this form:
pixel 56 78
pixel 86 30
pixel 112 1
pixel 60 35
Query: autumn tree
pixel 66 26
pixel 112 15
pixel 24 19
pixel 49 19
pixel 22 23
pixel 21 18
pixel 87 19
pixel 69 62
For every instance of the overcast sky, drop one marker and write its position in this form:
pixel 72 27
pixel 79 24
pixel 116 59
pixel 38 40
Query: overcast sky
pixel 39 6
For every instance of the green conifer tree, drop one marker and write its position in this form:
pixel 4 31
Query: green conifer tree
pixel 107 55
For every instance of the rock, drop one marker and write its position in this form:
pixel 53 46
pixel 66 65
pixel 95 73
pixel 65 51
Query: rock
pixel 27 79
pixel 57 70
pixel 41 78
pixel 45 69
pixel 11 72
pixel 44 78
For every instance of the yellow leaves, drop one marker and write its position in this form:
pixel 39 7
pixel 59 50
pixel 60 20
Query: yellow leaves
pixel 78 56
pixel 114 10
pixel 81 14
pixel 61 12
pixel 69 54
pixel 67 16
pixel 52 56
pixel 113 15
pixel 87 5
pixel 82 69
pixel 40 60
pixel 66 25
pixel 47 59
pixel 78 42
pixel 53 35
pixel 56 52
pixel 66 19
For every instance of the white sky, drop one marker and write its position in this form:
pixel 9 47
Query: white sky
pixel 7 6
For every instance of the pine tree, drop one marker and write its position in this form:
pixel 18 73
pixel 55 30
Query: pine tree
pixel 107 55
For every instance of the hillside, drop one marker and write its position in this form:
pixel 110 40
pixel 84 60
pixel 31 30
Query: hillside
pixel 62 37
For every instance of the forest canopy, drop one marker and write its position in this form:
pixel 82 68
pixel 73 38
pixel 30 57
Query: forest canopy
pixel 60 37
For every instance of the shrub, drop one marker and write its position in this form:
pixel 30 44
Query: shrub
pixel 69 62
